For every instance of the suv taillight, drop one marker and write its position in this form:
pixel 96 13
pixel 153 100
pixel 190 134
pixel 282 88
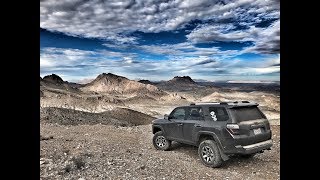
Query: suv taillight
pixel 268 126
pixel 233 128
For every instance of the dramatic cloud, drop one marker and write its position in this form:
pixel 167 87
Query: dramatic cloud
pixel 211 33
pixel 266 40
pixel 201 66
pixel 159 39
pixel 180 49
pixel 115 20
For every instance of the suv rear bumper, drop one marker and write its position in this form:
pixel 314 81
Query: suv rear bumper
pixel 254 148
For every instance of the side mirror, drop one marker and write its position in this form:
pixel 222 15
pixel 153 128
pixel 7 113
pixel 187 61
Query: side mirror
pixel 166 116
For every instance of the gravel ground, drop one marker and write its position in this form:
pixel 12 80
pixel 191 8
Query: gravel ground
pixel 108 152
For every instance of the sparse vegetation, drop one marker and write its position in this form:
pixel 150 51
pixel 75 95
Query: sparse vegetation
pixel 79 162
pixel 43 138
pixel 66 151
pixel 68 168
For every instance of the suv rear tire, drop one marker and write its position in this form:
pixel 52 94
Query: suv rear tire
pixel 209 153
pixel 160 142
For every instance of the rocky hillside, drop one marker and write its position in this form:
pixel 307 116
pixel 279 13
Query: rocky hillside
pixel 53 78
pixel 178 83
pixel 116 116
pixel 111 83
pixel 185 80
pixel 146 82
pixel 55 82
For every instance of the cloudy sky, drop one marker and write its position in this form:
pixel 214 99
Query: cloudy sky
pixel 159 39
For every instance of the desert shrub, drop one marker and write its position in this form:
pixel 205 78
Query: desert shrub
pixel 67 168
pixel 79 162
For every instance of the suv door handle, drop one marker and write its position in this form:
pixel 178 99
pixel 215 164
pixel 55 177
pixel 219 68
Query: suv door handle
pixel 197 125
pixel 179 124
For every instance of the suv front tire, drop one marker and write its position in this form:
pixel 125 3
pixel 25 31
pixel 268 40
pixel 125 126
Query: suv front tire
pixel 160 142
pixel 209 153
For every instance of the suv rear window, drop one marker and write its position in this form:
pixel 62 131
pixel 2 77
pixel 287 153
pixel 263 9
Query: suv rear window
pixel 218 113
pixel 246 113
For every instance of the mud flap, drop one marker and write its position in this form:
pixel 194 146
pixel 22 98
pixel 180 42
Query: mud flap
pixel 223 155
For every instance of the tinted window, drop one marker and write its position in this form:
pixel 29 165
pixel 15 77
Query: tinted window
pixel 195 113
pixel 179 113
pixel 246 113
pixel 218 113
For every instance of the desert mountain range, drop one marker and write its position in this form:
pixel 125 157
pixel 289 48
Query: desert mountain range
pixel 111 83
pixel 108 91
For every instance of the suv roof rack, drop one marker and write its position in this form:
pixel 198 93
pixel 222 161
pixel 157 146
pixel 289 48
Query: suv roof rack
pixel 245 101
pixel 205 103
pixel 241 102
pixel 222 103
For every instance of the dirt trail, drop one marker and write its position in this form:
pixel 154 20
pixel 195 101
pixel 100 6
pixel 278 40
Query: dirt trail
pixel 106 152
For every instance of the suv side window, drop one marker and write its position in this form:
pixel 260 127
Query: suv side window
pixel 195 113
pixel 179 113
pixel 218 113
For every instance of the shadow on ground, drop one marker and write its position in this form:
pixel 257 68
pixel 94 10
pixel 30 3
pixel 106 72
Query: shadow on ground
pixel 192 151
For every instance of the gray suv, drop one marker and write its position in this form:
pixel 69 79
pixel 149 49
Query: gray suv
pixel 217 129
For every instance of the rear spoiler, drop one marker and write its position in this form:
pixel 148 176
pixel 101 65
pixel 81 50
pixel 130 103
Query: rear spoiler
pixel 244 105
